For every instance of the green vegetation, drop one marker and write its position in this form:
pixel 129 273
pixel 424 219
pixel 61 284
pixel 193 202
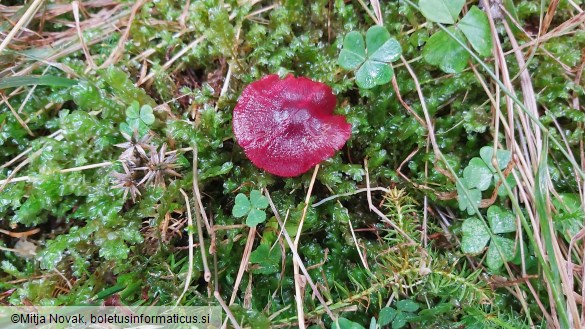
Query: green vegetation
pixel 457 202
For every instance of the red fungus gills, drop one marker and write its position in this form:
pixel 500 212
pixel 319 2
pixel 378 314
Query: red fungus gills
pixel 287 126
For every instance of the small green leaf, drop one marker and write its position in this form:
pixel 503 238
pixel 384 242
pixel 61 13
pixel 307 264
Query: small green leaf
pixel 476 27
pixel 387 52
pixel 446 52
pixel 353 53
pixel 125 128
pixel 376 36
pixel 493 259
pixel 258 200
pixel 241 206
pixel 133 111
pixel 373 73
pixel 407 305
pixel 343 323
pixel 146 114
pixel 475 236
pixel 501 220
pixel 503 157
pixel 269 260
pixel 43 80
pixel 477 174
pixel 387 314
pixel 441 11
pixel 467 201
pixel 255 217
pixel 399 321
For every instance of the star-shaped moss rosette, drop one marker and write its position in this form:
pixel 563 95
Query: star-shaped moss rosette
pixel 370 59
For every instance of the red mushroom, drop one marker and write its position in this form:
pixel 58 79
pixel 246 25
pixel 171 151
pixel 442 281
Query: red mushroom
pixel 287 126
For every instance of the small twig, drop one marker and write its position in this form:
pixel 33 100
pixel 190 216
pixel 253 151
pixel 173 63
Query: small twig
pixel 368 11
pixel 18 118
pixel 21 234
pixel 117 52
pixel 24 20
pixel 200 211
pixel 75 9
pixel 297 277
pixel 298 258
pixel 226 309
pixel 244 262
pixel 333 197
pixel 406 106
pixel 190 234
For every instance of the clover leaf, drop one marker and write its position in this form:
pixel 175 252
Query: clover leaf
pixel 480 174
pixel 253 207
pixel 343 323
pixel 441 11
pixel 476 237
pixel 137 119
pixel 468 201
pixel 400 316
pixel 445 50
pixel 268 260
pixel 370 59
pixel 477 174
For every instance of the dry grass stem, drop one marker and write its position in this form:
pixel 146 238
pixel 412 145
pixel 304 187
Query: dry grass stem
pixel 199 212
pixel 190 235
pixel 227 310
pixel 298 258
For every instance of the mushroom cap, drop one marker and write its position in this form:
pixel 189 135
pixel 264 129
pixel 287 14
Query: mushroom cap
pixel 287 126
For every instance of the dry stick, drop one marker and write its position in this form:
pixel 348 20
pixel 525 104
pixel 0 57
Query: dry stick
pixel 20 234
pixel 190 233
pixel 529 100
pixel 377 11
pixel 357 246
pixel 117 52
pixel 28 15
pixel 333 197
pixel 75 8
pixel 244 262
pixel 173 59
pixel 17 169
pixel 500 60
pixel 423 104
pixel 297 277
pixel 377 211
pixel 298 258
pixel 22 123
pixel 406 106
pixel 369 12
pixel 199 211
pixel 226 308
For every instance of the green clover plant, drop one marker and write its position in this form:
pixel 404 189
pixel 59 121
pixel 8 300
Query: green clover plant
pixel 399 316
pixel 370 59
pixel 441 49
pixel 476 236
pixel 137 118
pixel 253 207
pixel 479 175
